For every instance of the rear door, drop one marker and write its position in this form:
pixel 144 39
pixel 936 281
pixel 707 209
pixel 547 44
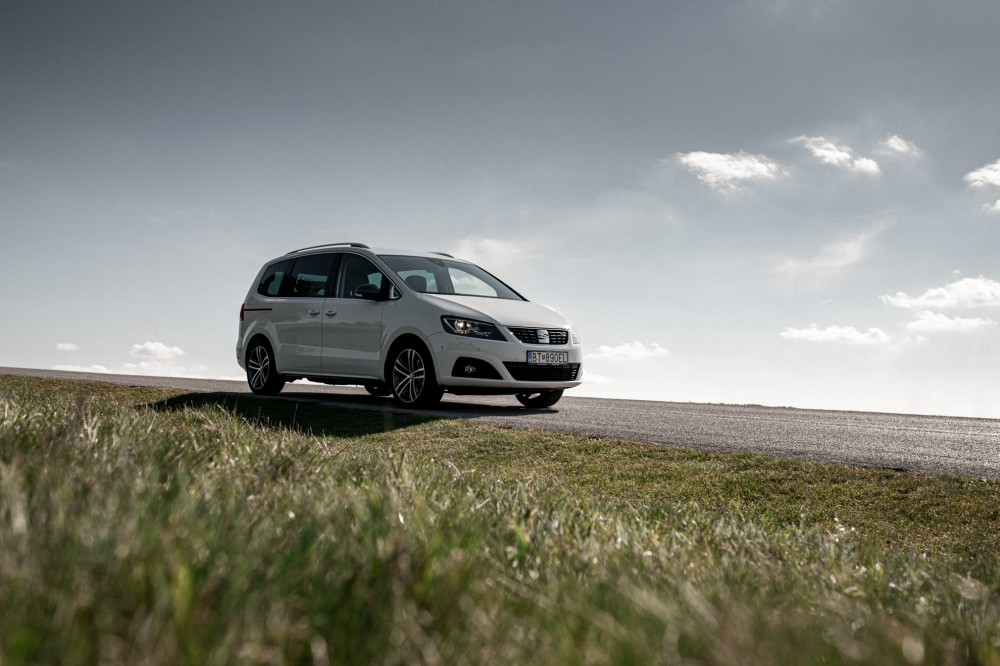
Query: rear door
pixel 297 315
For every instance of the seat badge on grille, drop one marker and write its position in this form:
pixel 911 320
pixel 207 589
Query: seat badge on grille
pixel 543 337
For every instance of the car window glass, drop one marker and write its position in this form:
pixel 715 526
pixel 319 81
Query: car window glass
pixel 270 284
pixel 310 275
pixel 356 271
pixel 448 276
pixel 420 280
pixel 468 284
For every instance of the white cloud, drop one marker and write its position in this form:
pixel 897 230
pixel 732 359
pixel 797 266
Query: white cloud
pixel 896 144
pixel 725 172
pixel 831 260
pixel 67 347
pixel 157 351
pixel 930 322
pixel 843 334
pixel 161 368
pixel 154 358
pixel 82 368
pixel 866 165
pixel 829 152
pixel 993 207
pixel 983 176
pixel 977 292
pixel 594 379
pixel 493 254
pixel 628 351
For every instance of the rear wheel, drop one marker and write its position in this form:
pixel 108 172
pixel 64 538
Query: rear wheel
pixel 539 399
pixel 413 382
pixel 262 375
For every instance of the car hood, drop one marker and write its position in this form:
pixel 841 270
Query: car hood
pixel 503 311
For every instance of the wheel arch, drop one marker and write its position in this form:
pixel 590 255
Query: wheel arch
pixel 259 336
pixel 401 341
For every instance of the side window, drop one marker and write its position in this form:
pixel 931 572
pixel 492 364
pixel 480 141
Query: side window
pixel 270 284
pixel 356 271
pixel 309 276
pixel 420 280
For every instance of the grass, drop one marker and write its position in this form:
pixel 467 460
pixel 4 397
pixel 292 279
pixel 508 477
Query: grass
pixel 144 525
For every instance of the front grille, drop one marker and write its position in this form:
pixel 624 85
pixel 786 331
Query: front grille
pixel 529 336
pixel 523 372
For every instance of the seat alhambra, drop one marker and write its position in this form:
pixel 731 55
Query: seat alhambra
pixel 409 324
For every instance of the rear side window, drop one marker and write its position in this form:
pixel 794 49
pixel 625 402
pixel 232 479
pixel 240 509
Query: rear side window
pixel 310 276
pixel 270 284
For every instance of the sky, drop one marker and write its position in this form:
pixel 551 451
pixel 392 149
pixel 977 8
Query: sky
pixel 774 202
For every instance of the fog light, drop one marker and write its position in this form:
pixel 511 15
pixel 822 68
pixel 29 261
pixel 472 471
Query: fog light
pixel 470 369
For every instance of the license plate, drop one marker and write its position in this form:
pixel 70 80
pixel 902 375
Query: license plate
pixel 547 358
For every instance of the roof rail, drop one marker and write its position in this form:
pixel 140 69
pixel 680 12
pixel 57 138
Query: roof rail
pixel 444 254
pixel 316 247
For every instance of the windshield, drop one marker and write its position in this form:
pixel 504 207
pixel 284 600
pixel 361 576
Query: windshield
pixel 448 277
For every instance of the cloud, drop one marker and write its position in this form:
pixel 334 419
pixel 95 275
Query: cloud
pixel 154 358
pixel 977 292
pixel 67 347
pixel 628 351
pixel 594 379
pixel 831 260
pixel 986 175
pixel 930 322
pixel 157 351
pixel 161 368
pixel 842 334
pixel 896 144
pixel 160 360
pixel 829 152
pixel 82 368
pixel 493 254
pixel 726 172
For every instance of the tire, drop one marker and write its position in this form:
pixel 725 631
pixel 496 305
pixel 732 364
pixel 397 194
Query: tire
pixel 378 390
pixel 539 399
pixel 262 374
pixel 412 377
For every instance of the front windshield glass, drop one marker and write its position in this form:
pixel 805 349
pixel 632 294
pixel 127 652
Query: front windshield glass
pixel 448 277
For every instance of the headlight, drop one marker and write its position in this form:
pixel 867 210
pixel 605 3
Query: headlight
pixel 574 336
pixel 470 328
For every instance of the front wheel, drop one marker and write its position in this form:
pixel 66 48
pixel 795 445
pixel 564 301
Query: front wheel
pixel 539 399
pixel 262 374
pixel 413 382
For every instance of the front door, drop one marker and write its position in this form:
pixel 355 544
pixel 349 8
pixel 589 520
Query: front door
pixel 352 327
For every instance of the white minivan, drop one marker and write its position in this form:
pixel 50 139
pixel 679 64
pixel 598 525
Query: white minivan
pixel 413 324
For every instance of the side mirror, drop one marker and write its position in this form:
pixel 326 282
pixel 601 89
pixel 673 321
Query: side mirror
pixel 369 292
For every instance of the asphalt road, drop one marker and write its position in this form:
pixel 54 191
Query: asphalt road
pixel 919 444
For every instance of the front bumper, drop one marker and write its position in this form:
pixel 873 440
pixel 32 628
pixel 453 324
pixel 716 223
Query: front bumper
pixel 501 366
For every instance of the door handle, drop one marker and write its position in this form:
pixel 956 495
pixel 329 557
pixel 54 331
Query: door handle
pixel 314 312
pixel 331 313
